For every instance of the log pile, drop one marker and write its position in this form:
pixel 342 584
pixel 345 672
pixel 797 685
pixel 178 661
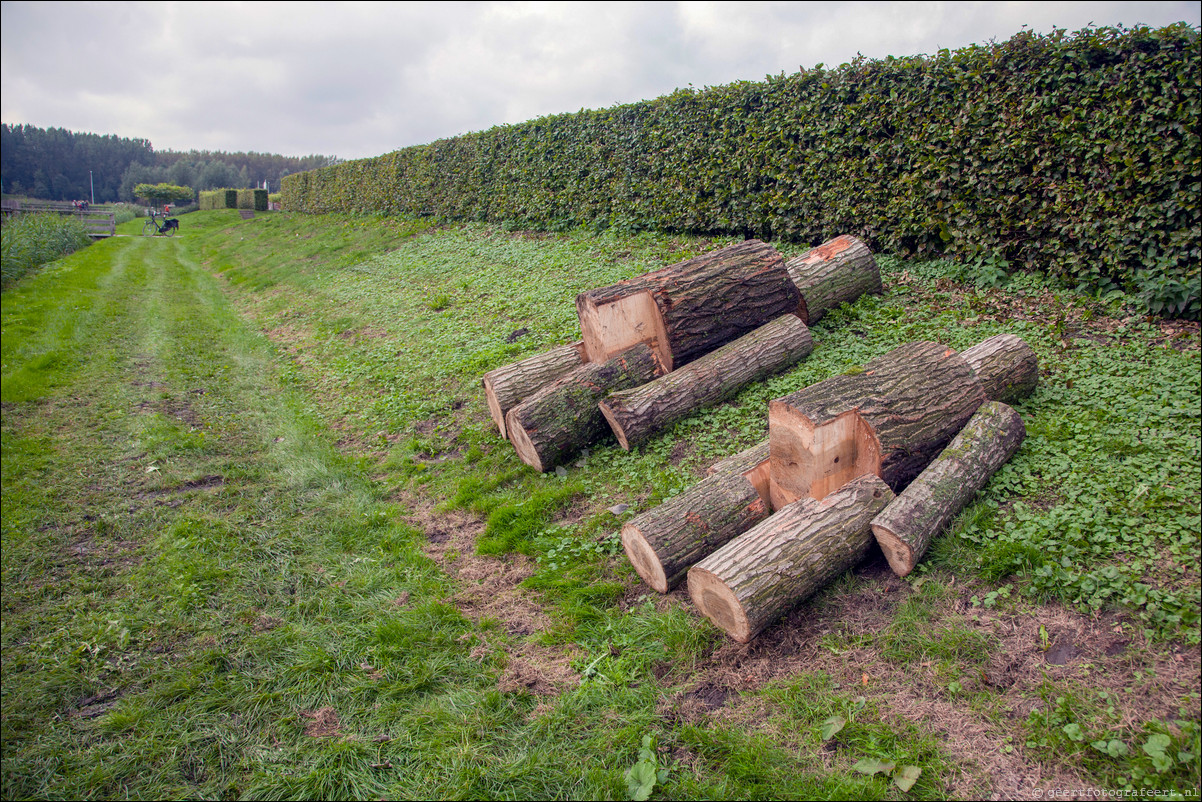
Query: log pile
pixel 887 454
pixel 922 410
pixel 714 324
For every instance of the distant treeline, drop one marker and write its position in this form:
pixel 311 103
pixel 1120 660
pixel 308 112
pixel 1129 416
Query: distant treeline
pixel 57 164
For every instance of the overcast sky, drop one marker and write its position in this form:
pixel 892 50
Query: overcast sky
pixel 361 79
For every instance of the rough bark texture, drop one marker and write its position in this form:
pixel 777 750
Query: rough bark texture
pixel 751 581
pixel 556 422
pixel 637 414
pixel 836 271
pixel 905 528
pixel 507 386
pixel 689 309
pixel 663 542
pixel 1007 367
pixel 891 420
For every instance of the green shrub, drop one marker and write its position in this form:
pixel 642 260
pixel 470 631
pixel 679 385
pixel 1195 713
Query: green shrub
pixel 260 200
pixel 29 241
pixel 1072 154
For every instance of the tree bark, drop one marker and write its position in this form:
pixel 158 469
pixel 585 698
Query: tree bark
pixel 905 528
pixel 688 309
pixel 508 386
pixel 836 271
pixel 663 542
pixel 748 583
pixel 563 417
pixel 891 420
pixel 742 462
pixel 1007 367
pixel 637 414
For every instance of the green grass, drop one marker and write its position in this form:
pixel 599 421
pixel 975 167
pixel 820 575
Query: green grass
pixel 205 444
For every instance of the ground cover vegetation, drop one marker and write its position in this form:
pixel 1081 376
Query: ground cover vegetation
pixel 1075 155
pixel 261 540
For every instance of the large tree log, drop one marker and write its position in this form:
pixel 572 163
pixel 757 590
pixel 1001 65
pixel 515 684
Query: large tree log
pixel 836 271
pixel 1007 367
pixel 562 418
pixel 509 385
pixel 690 308
pixel 905 527
pixel 663 542
pixel 890 420
pixel 637 414
pixel 751 581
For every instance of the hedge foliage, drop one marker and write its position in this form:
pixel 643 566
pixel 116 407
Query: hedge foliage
pixel 234 199
pixel 1074 154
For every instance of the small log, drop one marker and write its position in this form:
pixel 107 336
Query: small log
pixel 836 271
pixel 637 414
pixel 688 309
pixel 748 583
pixel 562 418
pixel 509 385
pixel 1007 367
pixel 664 542
pixel 905 528
pixel 890 420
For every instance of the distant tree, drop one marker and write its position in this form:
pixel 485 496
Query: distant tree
pixel 163 193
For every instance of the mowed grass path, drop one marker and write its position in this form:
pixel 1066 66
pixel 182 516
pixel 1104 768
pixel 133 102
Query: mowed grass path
pixel 211 587
pixel 204 598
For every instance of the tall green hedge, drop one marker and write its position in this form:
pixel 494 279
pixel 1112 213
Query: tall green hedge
pixel 1075 154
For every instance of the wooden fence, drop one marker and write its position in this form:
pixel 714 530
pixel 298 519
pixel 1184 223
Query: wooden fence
pixel 97 222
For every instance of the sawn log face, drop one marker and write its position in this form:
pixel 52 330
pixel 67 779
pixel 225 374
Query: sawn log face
pixel 752 580
pixel 690 308
pixel 890 420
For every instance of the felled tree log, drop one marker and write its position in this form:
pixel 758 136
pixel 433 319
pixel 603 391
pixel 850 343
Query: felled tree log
pixel 891 420
pixel 905 527
pixel 1007 367
pixel 507 386
pixel 742 462
pixel 663 542
pixel 637 414
pixel 562 418
pixel 748 583
pixel 688 309
pixel 836 271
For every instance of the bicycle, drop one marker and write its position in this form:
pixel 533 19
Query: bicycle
pixel 151 227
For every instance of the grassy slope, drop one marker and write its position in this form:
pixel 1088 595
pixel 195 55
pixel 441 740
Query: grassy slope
pixel 193 572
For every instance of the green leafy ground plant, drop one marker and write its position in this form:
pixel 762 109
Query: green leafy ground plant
pixel 248 477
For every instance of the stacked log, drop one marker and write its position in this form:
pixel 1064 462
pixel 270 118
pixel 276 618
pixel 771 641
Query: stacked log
pixel 562 418
pixel 835 272
pixel 905 528
pixel 688 309
pixel 1007 367
pixel 748 583
pixel 637 414
pixel 508 386
pixel 890 420
pixel 664 542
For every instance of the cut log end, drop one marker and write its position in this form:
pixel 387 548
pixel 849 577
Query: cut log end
pixel 898 554
pixel 719 603
pixel 494 406
pixel 523 444
pixel 615 424
pixel 644 559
